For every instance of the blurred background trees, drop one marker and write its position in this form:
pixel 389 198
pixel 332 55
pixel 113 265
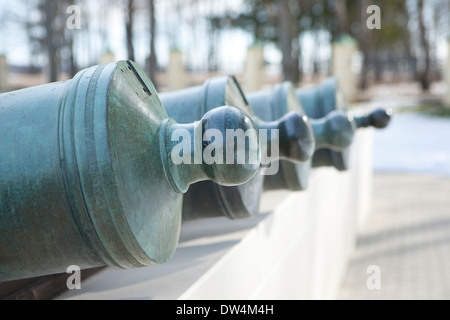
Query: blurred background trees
pixel 213 35
pixel 403 21
pixel 48 35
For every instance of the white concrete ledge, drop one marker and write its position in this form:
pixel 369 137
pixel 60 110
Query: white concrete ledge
pixel 297 250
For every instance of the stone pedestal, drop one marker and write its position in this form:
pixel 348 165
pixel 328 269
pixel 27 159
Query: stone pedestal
pixel 176 73
pixel 4 85
pixel 345 65
pixel 107 57
pixel 254 68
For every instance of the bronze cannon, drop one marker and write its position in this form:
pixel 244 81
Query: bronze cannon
pixel 334 128
pixel 295 144
pixel 320 101
pixel 87 177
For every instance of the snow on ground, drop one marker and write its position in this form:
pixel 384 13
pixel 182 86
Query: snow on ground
pixel 413 143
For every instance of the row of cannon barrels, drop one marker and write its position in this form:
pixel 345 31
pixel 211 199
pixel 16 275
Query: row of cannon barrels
pixel 90 170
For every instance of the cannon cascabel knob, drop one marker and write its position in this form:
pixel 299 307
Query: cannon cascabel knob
pixel 336 131
pixel 296 137
pixel 206 198
pixel 83 176
pixel 322 100
pixel 281 102
pixel 226 164
pixel 318 102
pixel 379 118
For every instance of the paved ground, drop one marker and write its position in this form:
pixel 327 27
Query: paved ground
pixel 408 233
pixel 408 237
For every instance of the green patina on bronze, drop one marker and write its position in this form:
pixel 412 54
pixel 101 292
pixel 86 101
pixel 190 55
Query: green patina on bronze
pixel 272 104
pixel 296 145
pixel 334 128
pixel 85 176
pixel 327 100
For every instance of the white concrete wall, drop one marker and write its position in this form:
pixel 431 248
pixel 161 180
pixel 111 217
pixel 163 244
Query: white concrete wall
pixel 301 250
pixel 298 250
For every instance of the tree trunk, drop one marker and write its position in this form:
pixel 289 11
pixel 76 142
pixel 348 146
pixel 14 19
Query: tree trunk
pixel 407 46
pixel 50 43
pixel 342 17
pixel 290 62
pixel 73 65
pixel 212 45
pixel 71 47
pixel 378 68
pixel 129 29
pixel 364 45
pixel 424 76
pixel 316 62
pixel 153 63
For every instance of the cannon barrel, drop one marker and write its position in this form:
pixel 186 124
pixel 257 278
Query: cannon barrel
pixel 295 143
pixel 274 103
pixel 87 172
pixel 334 128
pixel 321 101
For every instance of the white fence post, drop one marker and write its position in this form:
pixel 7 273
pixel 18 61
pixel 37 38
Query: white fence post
pixel 4 85
pixel 346 67
pixel 176 72
pixel 107 57
pixel 254 68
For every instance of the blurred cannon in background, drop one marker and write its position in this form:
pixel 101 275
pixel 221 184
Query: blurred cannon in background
pixel 318 102
pixel 296 144
pixel 334 128
pixel 334 131
pixel 87 173
pixel 273 104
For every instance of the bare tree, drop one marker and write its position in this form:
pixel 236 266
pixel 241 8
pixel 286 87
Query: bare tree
pixel 424 75
pixel 408 47
pixel 341 16
pixel 129 27
pixel 49 7
pixel 153 63
pixel 364 44
pixel 70 36
pixel 288 43
pixel 48 34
